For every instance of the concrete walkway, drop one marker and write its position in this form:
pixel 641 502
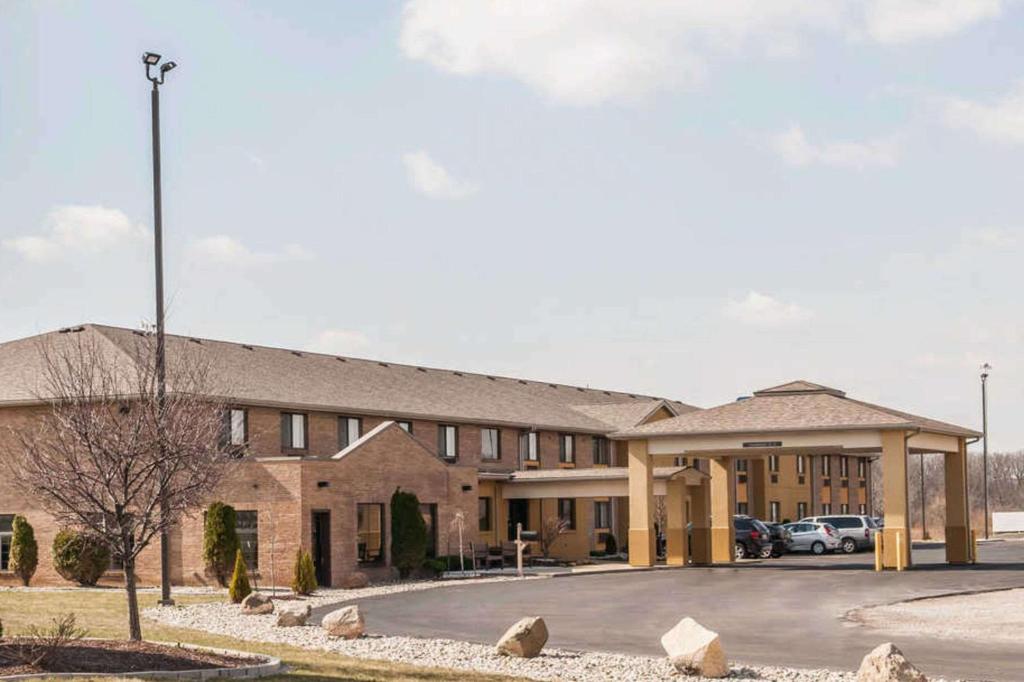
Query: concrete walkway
pixel 787 612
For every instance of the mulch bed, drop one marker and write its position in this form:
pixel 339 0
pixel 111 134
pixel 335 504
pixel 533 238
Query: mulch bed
pixel 113 656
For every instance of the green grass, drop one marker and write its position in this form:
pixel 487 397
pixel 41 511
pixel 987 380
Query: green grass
pixel 103 614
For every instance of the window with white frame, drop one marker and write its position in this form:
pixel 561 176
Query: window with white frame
pixel 6 533
pixel 567 448
pixel 448 441
pixel 490 444
pixel 528 447
pixel 247 527
pixel 349 430
pixel 293 430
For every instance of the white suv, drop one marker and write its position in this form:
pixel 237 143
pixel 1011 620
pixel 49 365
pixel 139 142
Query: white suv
pixel 855 532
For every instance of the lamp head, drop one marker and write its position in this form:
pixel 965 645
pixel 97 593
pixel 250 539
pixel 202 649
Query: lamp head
pixel 985 369
pixel 150 59
pixel 167 67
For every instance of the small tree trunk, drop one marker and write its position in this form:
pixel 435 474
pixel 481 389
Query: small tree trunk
pixel 134 624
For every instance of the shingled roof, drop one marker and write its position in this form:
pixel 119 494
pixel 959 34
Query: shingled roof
pixel 314 381
pixel 795 406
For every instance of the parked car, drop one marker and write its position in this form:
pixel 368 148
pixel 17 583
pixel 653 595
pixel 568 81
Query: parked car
pixel 813 537
pixel 752 537
pixel 780 538
pixel 855 532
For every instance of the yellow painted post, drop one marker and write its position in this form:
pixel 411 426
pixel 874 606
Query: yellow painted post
pixel 700 517
pixel 899 551
pixel 879 539
pixel 641 505
pixel 723 506
pixel 974 546
pixel 958 538
pixel 675 533
pixel 896 552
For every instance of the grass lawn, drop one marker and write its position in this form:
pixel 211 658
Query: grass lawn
pixel 102 614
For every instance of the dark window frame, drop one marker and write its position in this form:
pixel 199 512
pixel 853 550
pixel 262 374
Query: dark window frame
pixel 497 444
pixel 6 536
pixel 487 518
pixel 405 425
pixel 607 513
pixel 601 447
pixel 343 435
pixel 381 560
pixel 442 442
pixel 564 456
pixel 526 438
pixel 572 511
pixel 250 555
pixel 287 435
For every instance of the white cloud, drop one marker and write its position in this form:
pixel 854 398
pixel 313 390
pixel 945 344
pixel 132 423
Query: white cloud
pixel 339 342
pixel 224 250
pixel 585 53
pixel 431 178
pixel 905 21
pixel 796 150
pixel 761 310
pixel 74 230
pixel 993 238
pixel 1000 121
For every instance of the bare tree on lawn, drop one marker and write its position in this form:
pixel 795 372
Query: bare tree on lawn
pixel 553 528
pixel 106 453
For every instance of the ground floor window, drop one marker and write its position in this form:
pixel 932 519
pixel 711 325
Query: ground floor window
pixel 801 510
pixel 826 508
pixel 6 531
pixel 429 513
pixel 742 507
pixel 247 526
pixel 602 514
pixel 484 514
pixel 775 512
pixel 862 509
pixel 567 512
pixel 844 509
pixel 370 533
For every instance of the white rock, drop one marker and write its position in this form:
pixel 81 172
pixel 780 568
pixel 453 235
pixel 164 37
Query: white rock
pixel 693 649
pixel 886 663
pixel 293 615
pixel 524 639
pixel 346 622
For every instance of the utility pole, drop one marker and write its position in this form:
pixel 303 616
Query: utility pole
pixel 985 369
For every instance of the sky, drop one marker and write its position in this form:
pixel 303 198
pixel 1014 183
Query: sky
pixel 680 198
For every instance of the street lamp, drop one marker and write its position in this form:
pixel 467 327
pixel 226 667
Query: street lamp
pixel 985 369
pixel 151 59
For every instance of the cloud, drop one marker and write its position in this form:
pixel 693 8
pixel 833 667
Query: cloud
pixel 794 148
pixel 431 179
pixel 224 250
pixel 764 311
pixel 993 238
pixel 585 53
pixel 1000 121
pixel 339 342
pixel 75 230
pixel 905 21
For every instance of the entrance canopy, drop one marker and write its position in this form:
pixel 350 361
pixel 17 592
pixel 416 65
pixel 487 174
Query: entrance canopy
pixel 801 417
pixel 593 482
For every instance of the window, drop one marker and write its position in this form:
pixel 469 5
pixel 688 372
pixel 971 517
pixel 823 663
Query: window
pixel 801 465
pixel 773 463
pixel 236 426
pixel 490 444
pixel 429 514
pixel 862 467
pixel 447 441
pixel 680 461
pixel 247 526
pixel 293 431
pixel 741 465
pixel 776 511
pixel 6 531
pixel 862 509
pixel 602 450
pixel 844 466
pixel 826 466
pixel 349 430
pixel 801 510
pixel 567 511
pixel 528 450
pixel 826 508
pixel 484 512
pixel 844 508
pixel 742 507
pixel 406 426
pixel 370 533
pixel 602 515
pixel 567 448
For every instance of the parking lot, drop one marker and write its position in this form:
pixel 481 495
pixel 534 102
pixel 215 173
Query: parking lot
pixel 787 611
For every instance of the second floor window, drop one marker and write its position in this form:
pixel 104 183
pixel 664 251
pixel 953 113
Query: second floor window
pixel 349 430
pixel 773 463
pixel 862 467
pixel 826 466
pixel 567 448
pixel 528 447
pixel 406 426
pixel 801 464
pixel 741 465
pixel 293 431
pixel 602 450
pixel 236 423
pixel 447 441
pixel 490 444
pixel 844 467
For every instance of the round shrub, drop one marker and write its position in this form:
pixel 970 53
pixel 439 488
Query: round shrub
pixel 80 557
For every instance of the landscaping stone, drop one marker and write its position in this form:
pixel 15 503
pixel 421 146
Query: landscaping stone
pixel 293 615
pixel 355 581
pixel 346 622
pixel 525 639
pixel 695 650
pixel 886 663
pixel 257 604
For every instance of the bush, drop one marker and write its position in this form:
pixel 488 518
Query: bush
pixel 436 566
pixel 220 541
pixel 610 545
pixel 304 575
pixel 24 550
pixel 408 533
pixel 38 644
pixel 239 588
pixel 80 557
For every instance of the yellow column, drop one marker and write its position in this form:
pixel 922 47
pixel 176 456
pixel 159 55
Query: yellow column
pixel 723 504
pixel 894 494
pixel 700 512
pixel 958 522
pixel 758 489
pixel 641 505
pixel 675 534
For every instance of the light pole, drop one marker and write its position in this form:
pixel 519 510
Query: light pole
pixel 985 369
pixel 151 60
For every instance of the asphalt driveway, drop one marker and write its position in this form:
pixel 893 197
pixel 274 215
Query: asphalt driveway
pixel 779 612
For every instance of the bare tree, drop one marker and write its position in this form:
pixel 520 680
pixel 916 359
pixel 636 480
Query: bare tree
pixel 552 528
pixel 107 452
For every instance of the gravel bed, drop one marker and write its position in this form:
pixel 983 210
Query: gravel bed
pixel 553 664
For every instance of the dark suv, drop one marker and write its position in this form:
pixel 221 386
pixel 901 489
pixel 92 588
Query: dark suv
pixel 753 539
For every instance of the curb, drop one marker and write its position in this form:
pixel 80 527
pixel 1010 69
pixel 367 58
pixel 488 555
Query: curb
pixel 269 666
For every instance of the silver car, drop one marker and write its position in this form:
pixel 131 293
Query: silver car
pixel 856 531
pixel 808 536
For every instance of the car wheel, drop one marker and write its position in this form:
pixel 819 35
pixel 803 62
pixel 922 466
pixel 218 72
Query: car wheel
pixel 849 545
pixel 741 552
pixel 818 547
pixel 766 552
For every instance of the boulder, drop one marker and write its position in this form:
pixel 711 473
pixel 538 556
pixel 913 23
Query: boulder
pixel 695 650
pixel 525 639
pixel 257 604
pixel 346 622
pixel 886 663
pixel 355 581
pixel 293 615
